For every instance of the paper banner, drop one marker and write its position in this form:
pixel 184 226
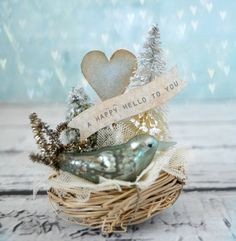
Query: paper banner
pixel 135 101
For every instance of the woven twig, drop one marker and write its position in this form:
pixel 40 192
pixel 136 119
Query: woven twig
pixel 114 210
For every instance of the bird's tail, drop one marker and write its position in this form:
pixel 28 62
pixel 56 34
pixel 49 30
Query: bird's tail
pixel 164 145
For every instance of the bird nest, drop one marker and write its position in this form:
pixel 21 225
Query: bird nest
pixel 111 204
pixel 113 210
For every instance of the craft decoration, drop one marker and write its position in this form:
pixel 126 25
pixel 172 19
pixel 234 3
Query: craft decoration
pixel 126 168
pixel 122 162
pixel 78 101
pixel 151 64
pixel 121 107
pixel 109 78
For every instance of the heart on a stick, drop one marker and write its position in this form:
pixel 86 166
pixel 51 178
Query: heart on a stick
pixel 109 78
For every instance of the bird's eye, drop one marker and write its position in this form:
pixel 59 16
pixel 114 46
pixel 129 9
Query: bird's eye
pixel 149 145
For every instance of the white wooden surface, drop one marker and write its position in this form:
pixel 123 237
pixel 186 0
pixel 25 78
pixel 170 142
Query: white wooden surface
pixel 206 209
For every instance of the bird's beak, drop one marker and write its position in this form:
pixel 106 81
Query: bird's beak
pixel 165 145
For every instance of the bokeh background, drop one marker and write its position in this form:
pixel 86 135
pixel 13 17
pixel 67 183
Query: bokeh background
pixel 43 42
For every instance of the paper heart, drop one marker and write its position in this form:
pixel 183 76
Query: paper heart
pixel 109 78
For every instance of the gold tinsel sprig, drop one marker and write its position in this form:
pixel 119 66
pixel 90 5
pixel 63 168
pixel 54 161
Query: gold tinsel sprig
pixel 49 141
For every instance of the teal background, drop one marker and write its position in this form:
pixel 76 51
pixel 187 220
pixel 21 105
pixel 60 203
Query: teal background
pixel 42 43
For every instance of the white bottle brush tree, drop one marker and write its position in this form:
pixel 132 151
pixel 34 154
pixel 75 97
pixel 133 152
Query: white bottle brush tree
pixel 78 101
pixel 150 65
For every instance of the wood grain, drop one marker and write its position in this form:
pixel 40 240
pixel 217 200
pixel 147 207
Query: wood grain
pixel 195 216
pixel 211 140
pixel 204 172
pixel 205 211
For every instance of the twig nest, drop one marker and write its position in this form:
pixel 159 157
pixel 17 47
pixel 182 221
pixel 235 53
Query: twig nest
pixel 113 210
pixel 112 205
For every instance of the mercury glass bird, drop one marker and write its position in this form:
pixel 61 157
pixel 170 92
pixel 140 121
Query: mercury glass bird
pixel 123 162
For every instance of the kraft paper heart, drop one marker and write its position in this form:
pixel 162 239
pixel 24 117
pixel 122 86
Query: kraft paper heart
pixel 109 78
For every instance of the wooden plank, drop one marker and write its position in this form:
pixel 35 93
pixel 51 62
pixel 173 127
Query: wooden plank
pixel 211 145
pixel 202 111
pixel 209 129
pixel 191 134
pixel 17 115
pixel 13 114
pixel 195 216
pixel 212 168
pixel 204 135
pixel 197 125
pixel 207 169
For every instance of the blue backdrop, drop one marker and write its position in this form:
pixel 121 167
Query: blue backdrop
pixel 42 43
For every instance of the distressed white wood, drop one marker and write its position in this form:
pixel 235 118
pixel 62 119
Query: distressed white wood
pixel 207 168
pixel 213 143
pixel 184 112
pixel 20 138
pixel 206 125
pixel 195 216
pixel 209 130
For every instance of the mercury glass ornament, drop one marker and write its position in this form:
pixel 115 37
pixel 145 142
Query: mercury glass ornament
pixel 123 162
